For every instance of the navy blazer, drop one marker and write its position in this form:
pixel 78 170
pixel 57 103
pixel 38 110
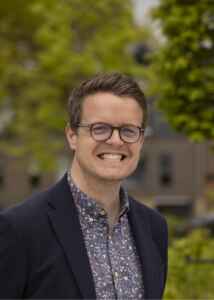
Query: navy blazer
pixel 43 255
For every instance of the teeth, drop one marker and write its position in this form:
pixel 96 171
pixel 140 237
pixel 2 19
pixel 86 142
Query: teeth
pixel 112 156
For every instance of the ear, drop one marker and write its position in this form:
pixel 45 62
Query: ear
pixel 71 137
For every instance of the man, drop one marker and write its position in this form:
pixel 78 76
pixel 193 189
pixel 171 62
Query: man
pixel 85 237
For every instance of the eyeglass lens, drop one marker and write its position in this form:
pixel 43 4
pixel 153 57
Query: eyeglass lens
pixel 102 132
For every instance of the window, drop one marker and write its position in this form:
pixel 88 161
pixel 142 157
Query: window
pixel 166 170
pixel 140 172
pixel 34 175
pixel 2 174
pixel 34 180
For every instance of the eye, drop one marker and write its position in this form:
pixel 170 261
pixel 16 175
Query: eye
pixel 100 128
pixel 130 131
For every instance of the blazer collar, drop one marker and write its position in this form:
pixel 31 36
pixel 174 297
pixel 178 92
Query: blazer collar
pixel 65 221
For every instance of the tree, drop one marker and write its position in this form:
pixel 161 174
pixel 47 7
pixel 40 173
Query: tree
pixel 184 66
pixel 47 47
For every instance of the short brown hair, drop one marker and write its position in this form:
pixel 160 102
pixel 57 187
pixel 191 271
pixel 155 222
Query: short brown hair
pixel 115 83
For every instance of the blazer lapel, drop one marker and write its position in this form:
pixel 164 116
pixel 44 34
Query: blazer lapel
pixel 65 222
pixel 149 256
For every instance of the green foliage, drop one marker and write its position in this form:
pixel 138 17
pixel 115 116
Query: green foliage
pixel 175 226
pixel 191 271
pixel 47 47
pixel 209 198
pixel 184 66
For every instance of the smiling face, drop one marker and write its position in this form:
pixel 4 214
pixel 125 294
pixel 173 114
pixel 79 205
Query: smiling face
pixel 111 160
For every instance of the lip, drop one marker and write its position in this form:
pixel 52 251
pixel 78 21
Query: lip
pixel 112 155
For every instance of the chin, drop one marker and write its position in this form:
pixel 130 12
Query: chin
pixel 113 176
pixel 112 173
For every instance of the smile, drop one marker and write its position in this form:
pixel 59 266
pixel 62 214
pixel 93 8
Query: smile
pixel 112 156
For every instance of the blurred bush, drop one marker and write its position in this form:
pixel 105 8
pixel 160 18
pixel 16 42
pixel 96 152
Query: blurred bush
pixel 191 267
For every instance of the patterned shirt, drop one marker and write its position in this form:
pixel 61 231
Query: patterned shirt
pixel 113 258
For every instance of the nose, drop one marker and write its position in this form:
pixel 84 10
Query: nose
pixel 115 138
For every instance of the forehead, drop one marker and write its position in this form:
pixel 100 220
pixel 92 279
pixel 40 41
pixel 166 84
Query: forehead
pixel 107 107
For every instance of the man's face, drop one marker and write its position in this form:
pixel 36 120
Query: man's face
pixel 113 159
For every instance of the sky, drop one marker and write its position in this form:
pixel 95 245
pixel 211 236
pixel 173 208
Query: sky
pixel 141 10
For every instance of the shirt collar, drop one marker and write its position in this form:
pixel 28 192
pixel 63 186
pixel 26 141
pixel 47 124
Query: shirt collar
pixel 90 206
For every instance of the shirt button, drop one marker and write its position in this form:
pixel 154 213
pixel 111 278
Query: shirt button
pixel 102 212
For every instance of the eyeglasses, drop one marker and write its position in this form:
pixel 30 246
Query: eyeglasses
pixel 101 132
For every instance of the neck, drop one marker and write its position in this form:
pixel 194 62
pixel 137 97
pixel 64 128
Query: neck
pixel 105 193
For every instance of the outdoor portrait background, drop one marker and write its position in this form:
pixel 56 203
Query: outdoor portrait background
pixel 49 46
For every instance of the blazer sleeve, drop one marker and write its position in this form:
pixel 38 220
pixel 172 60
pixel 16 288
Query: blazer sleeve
pixel 12 261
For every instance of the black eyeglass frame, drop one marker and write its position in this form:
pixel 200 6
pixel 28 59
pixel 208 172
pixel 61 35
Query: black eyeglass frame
pixel 119 128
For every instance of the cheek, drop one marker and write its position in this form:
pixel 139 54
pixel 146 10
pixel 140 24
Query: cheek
pixel 136 151
pixel 85 147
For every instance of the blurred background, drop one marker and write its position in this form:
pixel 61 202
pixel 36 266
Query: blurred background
pixel 49 46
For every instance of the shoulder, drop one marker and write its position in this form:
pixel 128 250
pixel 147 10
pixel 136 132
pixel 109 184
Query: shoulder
pixel 152 215
pixel 154 222
pixel 35 205
pixel 30 216
pixel 29 213
pixel 25 209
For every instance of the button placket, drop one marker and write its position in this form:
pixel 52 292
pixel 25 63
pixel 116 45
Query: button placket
pixel 113 259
